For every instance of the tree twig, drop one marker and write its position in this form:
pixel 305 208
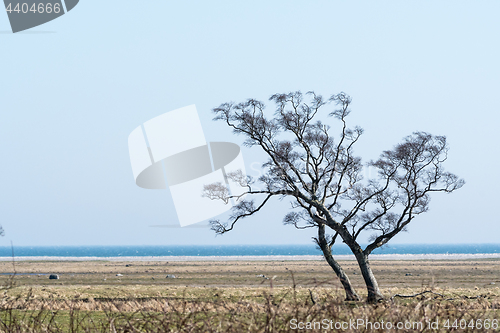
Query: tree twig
pixel 415 295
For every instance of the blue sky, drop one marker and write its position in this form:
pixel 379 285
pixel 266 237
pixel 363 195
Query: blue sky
pixel 73 89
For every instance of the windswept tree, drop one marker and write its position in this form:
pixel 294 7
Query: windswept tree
pixel 322 177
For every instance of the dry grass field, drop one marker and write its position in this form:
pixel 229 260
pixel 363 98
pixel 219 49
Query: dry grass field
pixel 238 296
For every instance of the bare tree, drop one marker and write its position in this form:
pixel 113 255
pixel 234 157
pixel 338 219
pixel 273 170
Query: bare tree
pixel 323 178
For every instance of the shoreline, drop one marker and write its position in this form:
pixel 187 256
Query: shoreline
pixel 350 257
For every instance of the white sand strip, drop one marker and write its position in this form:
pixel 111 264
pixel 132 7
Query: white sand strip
pixel 453 256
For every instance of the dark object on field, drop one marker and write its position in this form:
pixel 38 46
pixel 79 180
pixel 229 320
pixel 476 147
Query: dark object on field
pixel 408 274
pixel 54 277
pixel 128 265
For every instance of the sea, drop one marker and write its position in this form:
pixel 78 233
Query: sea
pixel 234 250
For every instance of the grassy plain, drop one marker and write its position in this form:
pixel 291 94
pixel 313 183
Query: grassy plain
pixel 237 296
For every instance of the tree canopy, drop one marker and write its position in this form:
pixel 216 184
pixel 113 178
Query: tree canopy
pixel 323 177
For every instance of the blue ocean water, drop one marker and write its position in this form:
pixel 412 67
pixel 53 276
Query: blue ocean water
pixel 233 250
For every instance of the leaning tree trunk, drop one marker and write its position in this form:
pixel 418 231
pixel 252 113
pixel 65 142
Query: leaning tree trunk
pixel 374 294
pixel 350 293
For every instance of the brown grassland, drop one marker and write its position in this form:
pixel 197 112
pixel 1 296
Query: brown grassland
pixel 245 296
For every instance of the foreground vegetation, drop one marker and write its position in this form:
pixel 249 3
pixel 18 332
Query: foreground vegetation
pixel 262 309
pixel 231 297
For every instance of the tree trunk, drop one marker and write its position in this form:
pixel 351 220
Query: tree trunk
pixel 374 294
pixel 350 293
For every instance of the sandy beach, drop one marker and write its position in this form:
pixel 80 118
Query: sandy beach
pixel 451 256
